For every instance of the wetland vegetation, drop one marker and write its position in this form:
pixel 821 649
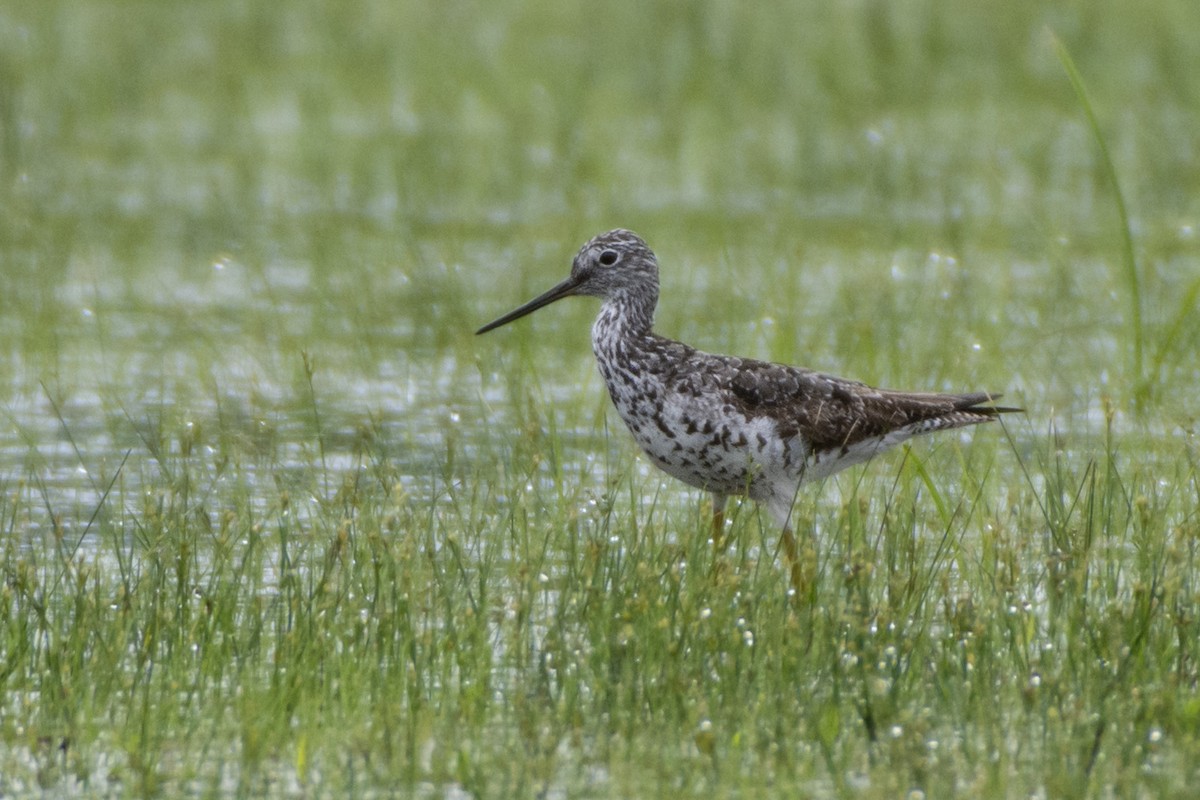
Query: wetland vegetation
pixel 275 523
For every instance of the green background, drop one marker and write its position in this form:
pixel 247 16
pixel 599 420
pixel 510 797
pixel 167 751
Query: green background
pixel 275 521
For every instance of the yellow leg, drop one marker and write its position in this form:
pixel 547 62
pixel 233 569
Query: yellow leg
pixel 802 564
pixel 718 534
pixel 718 522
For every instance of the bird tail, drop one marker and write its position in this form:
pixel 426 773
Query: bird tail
pixel 982 403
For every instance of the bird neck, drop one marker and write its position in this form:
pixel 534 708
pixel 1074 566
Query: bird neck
pixel 624 316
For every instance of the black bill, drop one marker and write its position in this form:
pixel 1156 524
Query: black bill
pixel 564 289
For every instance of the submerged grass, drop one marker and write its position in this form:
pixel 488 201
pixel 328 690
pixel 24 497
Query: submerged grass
pixel 275 524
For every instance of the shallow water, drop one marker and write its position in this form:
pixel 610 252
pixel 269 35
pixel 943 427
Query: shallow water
pixel 174 249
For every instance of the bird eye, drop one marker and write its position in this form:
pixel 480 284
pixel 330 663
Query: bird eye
pixel 608 258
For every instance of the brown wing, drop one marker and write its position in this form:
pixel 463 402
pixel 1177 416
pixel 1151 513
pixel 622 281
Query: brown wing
pixel 832 413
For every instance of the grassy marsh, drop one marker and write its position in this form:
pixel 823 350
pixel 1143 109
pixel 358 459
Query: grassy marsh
pixel 274 523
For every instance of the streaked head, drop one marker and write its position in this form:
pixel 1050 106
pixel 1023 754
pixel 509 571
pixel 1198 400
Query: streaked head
pixel 609 264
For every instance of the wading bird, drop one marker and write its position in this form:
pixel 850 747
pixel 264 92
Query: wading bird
pixel 735 426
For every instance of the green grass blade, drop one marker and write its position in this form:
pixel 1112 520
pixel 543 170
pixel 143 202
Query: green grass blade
pixel 1171 338
pixel 1128 257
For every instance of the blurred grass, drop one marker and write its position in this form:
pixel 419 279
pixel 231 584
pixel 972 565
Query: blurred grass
pixel 348 549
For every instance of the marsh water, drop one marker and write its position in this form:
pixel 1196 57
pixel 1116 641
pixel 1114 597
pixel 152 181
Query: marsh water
pixel 222 235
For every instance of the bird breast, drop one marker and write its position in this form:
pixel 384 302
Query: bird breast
pixel 692 435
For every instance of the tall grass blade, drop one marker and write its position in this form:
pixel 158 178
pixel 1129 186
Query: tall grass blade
pixel 1132 278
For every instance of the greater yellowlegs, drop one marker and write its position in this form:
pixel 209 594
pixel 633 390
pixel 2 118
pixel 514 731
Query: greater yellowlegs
pixel 735 426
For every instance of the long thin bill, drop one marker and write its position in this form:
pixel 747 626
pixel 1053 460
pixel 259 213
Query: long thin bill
pixel 564 289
